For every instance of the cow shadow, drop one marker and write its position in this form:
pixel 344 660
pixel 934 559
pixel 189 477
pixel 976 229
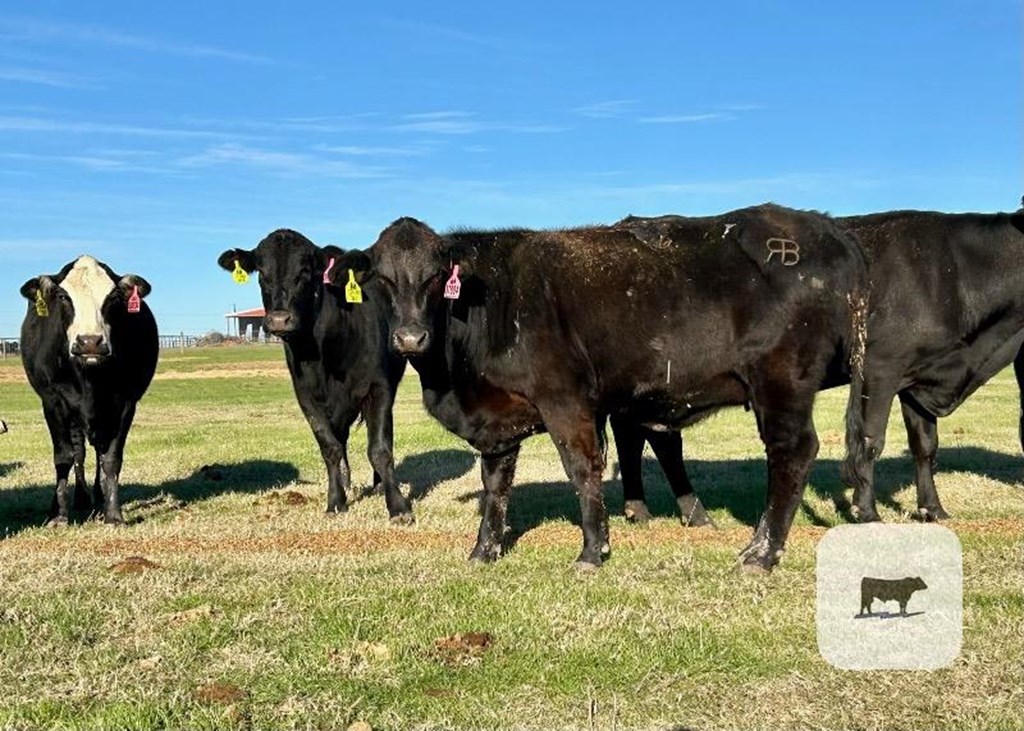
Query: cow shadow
pixel 738 487
pixel 29 506
pixel 423 472
pixel 886 615
pixel 7 468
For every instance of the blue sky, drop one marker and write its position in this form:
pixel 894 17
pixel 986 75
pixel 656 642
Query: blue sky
pixel 155 135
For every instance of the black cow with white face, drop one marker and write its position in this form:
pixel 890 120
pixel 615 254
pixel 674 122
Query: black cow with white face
pixel 336 351
pixel 89 346
pixel 664 322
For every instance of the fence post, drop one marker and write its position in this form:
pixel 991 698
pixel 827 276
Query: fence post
pixel 181 343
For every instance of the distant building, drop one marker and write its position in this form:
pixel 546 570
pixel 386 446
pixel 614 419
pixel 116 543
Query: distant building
pixel 247 324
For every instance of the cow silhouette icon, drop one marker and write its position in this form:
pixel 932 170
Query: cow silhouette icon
pixel 887 590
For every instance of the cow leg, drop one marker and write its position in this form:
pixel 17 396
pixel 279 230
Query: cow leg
pixel 334 451
pixel 110 456
pixel 81 499
pixel 923 437
pixel 497 472
pixel 574 432
pixel 63 460
pixel 380 433
pixel 629 443
pixel 668 448
pixel 863 449
pixel 791 445
pixel 1018 369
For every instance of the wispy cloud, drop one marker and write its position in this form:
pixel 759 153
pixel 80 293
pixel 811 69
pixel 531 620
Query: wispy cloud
pixel 687 118
pixel 371 151
pixel 281 163
pixel 96 161
pixel 40 124
pixel 608 109
pixel 465 123
pixel 30 29
pixel 436 31
pixel 46 78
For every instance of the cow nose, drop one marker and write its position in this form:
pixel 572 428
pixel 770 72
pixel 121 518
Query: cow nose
pixel 279 322
pixel 90 346
pixel 411 340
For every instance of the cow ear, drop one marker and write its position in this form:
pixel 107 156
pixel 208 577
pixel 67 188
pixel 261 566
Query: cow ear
pixel 356 260
pixel 42 283
pixel 129 282
pixel 246 260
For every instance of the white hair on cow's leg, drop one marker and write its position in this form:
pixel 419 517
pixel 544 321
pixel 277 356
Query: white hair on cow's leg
pixel 88 285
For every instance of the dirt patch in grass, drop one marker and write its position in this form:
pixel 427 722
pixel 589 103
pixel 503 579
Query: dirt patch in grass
pixel 133 565
pixel 463 648
pixel 220 693
pixel 262 371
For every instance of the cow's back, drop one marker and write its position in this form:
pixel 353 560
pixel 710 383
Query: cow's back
pixel 705 294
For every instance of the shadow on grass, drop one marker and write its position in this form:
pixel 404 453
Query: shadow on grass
pixel 30 506
pixel 424 472
pixel 739 488
pixel 7 468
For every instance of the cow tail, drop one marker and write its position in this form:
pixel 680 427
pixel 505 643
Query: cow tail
pixel 856 449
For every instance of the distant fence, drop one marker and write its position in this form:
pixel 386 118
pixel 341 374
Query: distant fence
pixel 11 347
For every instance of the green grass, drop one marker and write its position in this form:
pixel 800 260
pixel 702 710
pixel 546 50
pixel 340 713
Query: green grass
pixel 315 622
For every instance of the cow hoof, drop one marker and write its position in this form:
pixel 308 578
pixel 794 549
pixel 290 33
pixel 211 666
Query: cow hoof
pixel 636 512
pixel 58 522
pixel 930 515
pixel 692 512
pixel 485 553
pixel 585 567
pixel 403 519
pixel 755 568
pixel 334 510
pixel 114 521
pixel 867 516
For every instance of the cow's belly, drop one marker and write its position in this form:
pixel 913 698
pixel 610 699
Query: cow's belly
pixel 946 381
pixel 492 420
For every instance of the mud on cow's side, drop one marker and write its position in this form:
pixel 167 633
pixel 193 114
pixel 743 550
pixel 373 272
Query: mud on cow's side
pixel 662 321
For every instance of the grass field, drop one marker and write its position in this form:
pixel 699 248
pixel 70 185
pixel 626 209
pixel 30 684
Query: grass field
pixel 244 606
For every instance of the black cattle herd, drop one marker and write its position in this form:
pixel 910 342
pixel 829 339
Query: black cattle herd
pixel 650 324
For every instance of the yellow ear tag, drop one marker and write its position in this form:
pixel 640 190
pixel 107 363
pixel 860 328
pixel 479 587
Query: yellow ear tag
pixel 352 291
pixel 240 275
pixel 41 308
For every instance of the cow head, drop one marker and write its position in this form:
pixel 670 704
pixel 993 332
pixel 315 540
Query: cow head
pixel 291 269
pixel 918 583
pixel 412 263
pixel 87 299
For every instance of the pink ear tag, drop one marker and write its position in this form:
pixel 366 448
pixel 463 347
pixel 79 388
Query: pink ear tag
pixel 454 285
pixel 327 271
pixel 134 302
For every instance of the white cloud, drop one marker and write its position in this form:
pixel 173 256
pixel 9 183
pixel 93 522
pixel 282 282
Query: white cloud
pixel 45 78
pixel 30 29
pixel 283 163
pixel 686 118
pixel 38 124
pixel 608 109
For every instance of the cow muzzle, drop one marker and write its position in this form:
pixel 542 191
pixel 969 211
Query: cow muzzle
pixel 281 323
pixel 409 341
pixel 90 349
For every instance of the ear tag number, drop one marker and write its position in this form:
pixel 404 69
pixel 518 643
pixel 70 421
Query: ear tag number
pixel 42 310
pixel 327 271
pixel 240 275
pixel 454 285
pixel 352 291
pixel 134 302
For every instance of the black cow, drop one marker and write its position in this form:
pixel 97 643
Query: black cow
pixel 946 313
pixel 89 347
pixel 3 426
pixel 664 321
pixel 337 356
pixel 888 590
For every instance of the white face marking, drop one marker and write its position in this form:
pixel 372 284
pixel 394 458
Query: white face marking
pixel 88 285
